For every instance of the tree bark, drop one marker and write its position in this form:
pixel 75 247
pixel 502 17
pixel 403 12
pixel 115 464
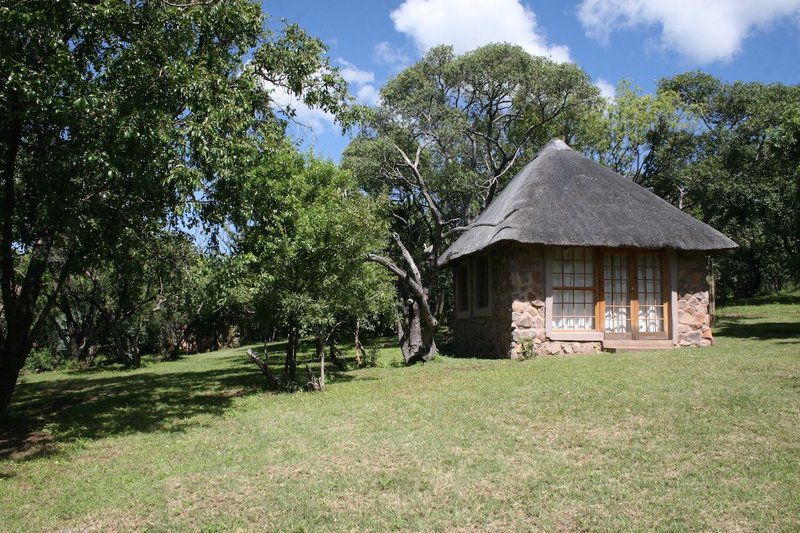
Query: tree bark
pixel 416 325
pixel 263 364
pixel 357 343
pixel 290 366
pixel 13 352
pixel 416 336
pixel 8 382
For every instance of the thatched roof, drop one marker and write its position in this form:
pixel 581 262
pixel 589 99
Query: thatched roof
pixel 564 198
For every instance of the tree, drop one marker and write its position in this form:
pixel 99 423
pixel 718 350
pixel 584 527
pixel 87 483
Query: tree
pixel 306 228
pixel 449 133
pixel 112 115
pixel 727 153
pixel 738 170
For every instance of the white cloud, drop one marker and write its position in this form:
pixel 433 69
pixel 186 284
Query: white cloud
pixel 305 117
pixel 360 82
pixel 703 31
pixel 368 94
pixel 353 74
pixel 386 54
pixel 468 24
pixel 607 89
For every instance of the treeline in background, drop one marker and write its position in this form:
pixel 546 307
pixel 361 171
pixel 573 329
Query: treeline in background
pixel 153 202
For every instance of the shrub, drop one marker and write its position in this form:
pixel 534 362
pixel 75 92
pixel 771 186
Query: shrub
pixel 371 357
pixel 44 360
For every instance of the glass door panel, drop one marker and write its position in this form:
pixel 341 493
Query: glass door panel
pixel 616 294
pixel 650 291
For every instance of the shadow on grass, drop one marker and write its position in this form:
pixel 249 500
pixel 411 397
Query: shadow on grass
pixel 46 415
pixel 788 332
pixel 767 299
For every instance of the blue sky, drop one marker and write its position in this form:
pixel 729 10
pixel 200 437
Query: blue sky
pixel 639 40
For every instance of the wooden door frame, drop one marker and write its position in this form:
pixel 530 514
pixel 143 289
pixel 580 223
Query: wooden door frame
pixel 633 293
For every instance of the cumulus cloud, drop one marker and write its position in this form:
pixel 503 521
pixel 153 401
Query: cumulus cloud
pixel 607 89
pixel 307 118
pixel 361 82
pixel 353 74
pixel 468 24
pixel 386 54
pixel 368 94
pixel 704 32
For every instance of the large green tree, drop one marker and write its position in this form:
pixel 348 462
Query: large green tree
pixel 449 133
pixel 114 113
pixel 305 228
pixel 727 153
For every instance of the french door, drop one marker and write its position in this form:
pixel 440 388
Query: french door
pixel 633 295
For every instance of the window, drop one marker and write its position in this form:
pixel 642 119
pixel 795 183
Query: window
pixel 481 282
pixel 462 289
pixel 573 289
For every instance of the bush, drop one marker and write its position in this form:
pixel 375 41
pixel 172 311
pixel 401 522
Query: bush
pixel 371 357
pixel 527 346
pixel 44 360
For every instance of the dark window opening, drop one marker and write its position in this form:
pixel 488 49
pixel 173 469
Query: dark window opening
pixel 462 288
pixel 481 282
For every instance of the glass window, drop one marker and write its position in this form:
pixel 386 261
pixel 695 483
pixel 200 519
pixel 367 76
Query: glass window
pixel 462 288
pixel 573 289
pixel 481 282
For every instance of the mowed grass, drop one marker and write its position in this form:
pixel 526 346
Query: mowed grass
pixel 686 439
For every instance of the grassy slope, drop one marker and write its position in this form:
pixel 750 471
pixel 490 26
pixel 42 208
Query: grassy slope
pixel 694 438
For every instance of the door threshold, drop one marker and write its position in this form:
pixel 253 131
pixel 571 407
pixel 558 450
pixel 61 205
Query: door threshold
pixel 627 345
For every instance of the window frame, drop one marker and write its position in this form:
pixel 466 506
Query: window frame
pixel 487 310
pixel 463 268
pixel 669 284
pixel 566 335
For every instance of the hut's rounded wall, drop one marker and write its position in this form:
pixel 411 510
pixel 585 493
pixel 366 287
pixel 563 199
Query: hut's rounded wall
pixel 693 319
pixel 516 326
pixel 486 335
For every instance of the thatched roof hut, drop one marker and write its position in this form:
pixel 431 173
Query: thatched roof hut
pixel 571 256
pixel 563 198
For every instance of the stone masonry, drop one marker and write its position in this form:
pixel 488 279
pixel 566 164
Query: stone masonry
pixel 693 327
pixel 515 325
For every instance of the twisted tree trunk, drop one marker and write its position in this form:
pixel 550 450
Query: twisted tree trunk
pixel 416 336
pixel 416 326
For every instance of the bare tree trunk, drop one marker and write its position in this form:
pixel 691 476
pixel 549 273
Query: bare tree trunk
pixel 336 356
pixel 319 339
pixel 417 324
pixel 359 349
pixel 290 366
pixel 263 364
pixel 416 337
pixel 322 369
pixel 320 347
pixel 12 357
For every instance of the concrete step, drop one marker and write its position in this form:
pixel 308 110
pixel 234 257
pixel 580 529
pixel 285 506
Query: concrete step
pixel 614 346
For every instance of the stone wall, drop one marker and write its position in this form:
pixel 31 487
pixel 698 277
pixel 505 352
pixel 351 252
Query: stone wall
pixel 485 335
pixel 693 324
pixel 516 325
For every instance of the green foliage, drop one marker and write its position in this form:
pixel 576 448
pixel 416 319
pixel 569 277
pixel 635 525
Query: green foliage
pixel 122 118
pixel 527 347
pixel 303 229
pixel 371 357
pixel 44 360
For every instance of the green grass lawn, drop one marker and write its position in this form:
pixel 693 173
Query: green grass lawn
pixel 686 439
